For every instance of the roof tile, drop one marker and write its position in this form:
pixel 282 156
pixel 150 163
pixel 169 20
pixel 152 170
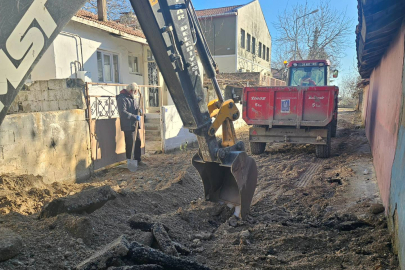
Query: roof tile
pixel 87 15
pixel 217 11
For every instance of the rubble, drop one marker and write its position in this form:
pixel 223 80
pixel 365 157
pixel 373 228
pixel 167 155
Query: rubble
pixel 138 267
pixel 163 240
pixel 142 222
pixel 146 238
pixel 10 244
pixel 140 254
pixel 110 255
pixel 80 227
pixel 203 236
pixel 183 250
pixel 87 201
pixel 377 209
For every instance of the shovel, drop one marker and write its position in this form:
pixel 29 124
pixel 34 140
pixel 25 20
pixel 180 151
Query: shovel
pixel 132 163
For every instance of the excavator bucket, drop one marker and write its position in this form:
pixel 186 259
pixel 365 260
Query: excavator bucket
pixel 232 182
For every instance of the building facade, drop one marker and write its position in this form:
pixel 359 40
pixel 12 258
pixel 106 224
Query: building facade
pixel 380 50
pixel 238 37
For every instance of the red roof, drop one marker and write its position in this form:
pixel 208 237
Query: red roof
pixel 217 11
pixel 87 15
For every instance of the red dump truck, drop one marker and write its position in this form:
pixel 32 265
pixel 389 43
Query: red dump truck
pixel 304 112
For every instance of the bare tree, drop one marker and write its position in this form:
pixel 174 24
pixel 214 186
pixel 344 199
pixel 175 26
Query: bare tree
pixel 351 91
pixel 312 35
pixel 115 8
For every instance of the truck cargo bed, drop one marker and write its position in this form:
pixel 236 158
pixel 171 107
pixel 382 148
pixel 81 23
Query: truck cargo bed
pixel 290 106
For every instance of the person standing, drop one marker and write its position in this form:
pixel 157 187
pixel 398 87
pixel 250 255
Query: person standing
pixel 128 102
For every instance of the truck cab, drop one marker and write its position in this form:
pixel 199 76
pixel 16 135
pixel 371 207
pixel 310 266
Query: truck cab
pixel 304 112
pixel 309 73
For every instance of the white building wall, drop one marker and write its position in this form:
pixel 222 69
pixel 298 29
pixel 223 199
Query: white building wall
pixel 57 63
pixel 45 68
pixel 252 20
pixel 173 133
pixel 226 63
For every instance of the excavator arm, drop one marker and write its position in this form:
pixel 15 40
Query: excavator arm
pixel 174 35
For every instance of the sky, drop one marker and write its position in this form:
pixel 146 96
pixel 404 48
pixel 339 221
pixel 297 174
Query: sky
pixel 271 8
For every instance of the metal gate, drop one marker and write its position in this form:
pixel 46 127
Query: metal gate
pixel 106 138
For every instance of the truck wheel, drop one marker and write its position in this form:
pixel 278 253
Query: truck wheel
pixel 257 148
pixel 323 151
pixel 334 128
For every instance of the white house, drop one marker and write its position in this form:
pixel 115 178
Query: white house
pixel 108 52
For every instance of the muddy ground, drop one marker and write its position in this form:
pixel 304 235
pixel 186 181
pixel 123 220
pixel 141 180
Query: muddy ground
pixel 307 213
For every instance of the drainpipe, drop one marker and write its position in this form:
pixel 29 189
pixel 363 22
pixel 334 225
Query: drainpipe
pixel 236 43
pixel 77 43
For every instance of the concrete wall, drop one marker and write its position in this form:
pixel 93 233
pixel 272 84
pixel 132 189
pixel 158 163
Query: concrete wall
pixel 220 33
pixel 226 63
pixel 251 19
pixel 47 134
pixel 382 113
pixel 366 90
pixel 174 134
pixel 397 191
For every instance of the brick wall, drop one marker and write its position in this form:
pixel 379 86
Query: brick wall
pixel 46 133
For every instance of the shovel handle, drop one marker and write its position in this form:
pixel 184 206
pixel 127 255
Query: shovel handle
pixel 135 137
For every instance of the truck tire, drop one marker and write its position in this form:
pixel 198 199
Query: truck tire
pixel 257 148
pixel 323 151
pixel 334 128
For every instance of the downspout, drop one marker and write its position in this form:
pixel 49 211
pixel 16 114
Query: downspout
pixel 236 43
pixel 77 43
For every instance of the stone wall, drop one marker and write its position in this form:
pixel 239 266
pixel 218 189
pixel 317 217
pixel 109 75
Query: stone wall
pixel 52 95
pixel 46 133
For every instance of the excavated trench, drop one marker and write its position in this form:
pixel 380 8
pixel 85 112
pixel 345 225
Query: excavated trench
pixel 307 213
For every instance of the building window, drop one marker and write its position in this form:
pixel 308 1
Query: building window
pixel 150 56
pixel 254 45
pixel 264 51
pixel 242 38
pixel 260 49
pixel 133 64
pixel 108 67
pixel 248 42
pixel 268 55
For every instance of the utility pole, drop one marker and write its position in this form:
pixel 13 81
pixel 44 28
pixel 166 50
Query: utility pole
pixel 296 30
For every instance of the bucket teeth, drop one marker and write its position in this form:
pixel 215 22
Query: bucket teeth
pixel 232 182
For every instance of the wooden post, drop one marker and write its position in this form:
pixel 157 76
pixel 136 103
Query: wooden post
pixel 102 10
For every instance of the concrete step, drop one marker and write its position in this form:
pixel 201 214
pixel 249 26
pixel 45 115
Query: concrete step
pixel 152 115
pixel 155 121
pixel 153 146
pixel 152 132
pixel 151 126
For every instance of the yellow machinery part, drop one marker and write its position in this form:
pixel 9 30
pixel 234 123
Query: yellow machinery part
pixel 224 115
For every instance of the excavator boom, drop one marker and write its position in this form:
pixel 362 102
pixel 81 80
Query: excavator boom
pixel 174 35
pixel 173 32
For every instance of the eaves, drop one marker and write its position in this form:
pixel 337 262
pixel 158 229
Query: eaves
pixel 219 15
pixel 112 31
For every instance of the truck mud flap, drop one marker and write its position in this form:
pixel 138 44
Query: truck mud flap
pixel 232 182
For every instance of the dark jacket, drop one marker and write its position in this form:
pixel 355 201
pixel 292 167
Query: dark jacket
pixel 128 108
